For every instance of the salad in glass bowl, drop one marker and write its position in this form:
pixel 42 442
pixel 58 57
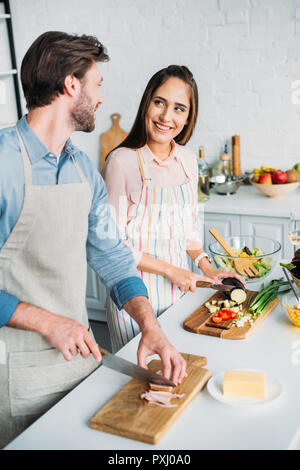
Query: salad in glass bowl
pixel 262 252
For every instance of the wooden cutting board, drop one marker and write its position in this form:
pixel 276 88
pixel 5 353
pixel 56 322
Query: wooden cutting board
pixel 200 320
pixel 110 139
pixel 127 415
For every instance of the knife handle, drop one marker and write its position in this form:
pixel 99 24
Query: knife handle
pixel 102 350
pixel 203 284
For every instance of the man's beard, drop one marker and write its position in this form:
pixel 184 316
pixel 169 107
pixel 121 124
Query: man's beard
pixel 82 116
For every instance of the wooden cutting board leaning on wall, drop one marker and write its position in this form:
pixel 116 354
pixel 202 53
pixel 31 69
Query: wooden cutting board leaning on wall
pixel 111 138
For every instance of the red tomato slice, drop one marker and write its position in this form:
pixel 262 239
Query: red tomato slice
pixel 225 316
pixel 233 315
pixel 216 319
pixel 227 310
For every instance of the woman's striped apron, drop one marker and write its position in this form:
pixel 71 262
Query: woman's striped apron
pixel 159 228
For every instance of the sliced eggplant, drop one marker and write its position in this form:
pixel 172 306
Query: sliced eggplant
pixel 232 281
pixel 238 293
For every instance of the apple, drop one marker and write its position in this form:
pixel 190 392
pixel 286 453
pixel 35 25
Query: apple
pixel 266 178
pixel 297 167
pixel 279 177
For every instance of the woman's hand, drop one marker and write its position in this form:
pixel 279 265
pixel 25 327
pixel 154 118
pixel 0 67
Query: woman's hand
pixel 217 275
pixel 184 279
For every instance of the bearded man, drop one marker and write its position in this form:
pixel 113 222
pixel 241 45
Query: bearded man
pixel 54 218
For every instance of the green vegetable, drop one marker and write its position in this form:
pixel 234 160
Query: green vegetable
pixel 263 265
pixel 266 295
pixel 289 266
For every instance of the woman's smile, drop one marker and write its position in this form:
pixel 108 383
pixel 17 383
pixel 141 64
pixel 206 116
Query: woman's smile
pixel 162 127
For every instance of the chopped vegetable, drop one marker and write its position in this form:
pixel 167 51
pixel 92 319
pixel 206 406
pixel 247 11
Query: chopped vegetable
pixel 238 295
pixel 224 315
pixel 216 319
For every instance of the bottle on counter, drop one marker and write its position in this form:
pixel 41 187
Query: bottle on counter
pixel 203 177
pixel 217 168
pixel 236 155
pixel 226 163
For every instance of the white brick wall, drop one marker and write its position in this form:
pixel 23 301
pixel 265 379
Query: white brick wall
pixel 245 56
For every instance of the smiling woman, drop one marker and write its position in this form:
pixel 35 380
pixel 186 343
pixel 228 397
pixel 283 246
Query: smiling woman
pixel 152 184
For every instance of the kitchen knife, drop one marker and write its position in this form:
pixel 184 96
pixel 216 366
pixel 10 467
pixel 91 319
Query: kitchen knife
pixel 222 287
pixel 133 370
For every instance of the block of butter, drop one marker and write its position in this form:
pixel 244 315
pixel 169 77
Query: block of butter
pixel 242 383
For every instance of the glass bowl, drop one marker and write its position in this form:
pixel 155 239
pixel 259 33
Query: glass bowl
pixel 289 306
pixel 265 257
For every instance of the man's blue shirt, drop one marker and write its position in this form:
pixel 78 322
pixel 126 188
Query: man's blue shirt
pixel 106 253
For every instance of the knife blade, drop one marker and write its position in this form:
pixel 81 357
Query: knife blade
pixel 222 287
pixel 133 370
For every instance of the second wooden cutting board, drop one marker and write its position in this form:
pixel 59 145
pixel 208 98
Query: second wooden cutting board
pixel 200 320
pixel 111 138
pixel 127 415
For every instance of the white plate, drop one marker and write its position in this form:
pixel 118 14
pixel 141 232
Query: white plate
pixel 215 388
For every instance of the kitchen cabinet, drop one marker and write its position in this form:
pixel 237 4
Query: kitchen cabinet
pixel 249 213
pixel 226 224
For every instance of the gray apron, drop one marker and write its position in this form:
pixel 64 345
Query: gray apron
pixel 43 262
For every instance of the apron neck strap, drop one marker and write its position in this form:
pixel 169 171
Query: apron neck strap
pixel 185 167
pixel 79 170
pixel 27 163
pixel 144 170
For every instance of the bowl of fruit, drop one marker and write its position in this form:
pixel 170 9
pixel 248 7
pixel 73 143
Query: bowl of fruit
pixel 273 182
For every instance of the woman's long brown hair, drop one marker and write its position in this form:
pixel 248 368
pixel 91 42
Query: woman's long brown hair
pixel 137 136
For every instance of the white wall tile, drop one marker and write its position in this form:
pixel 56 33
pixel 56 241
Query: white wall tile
pixel 244 54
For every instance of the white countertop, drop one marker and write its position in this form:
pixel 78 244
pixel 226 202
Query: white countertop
pixel 206 423
pixel 249 201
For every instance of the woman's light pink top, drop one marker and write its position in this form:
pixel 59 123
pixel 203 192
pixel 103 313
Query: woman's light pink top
pixel 122 176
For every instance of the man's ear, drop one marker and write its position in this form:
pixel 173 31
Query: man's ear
pixel 72 85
